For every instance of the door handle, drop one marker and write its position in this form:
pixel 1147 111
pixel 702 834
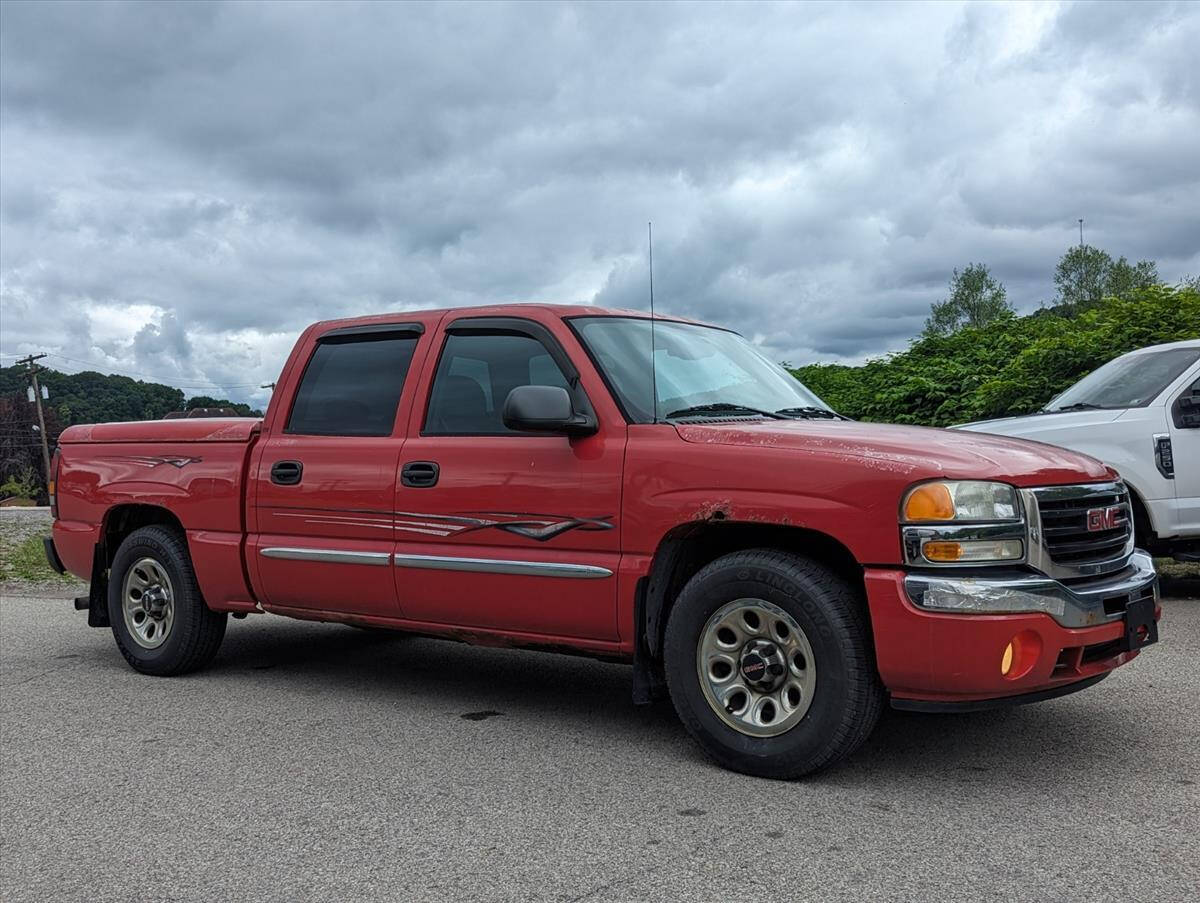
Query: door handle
pixel 286 473
pixel 419 474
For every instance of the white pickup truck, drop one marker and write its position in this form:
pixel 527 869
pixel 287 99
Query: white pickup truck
pixel 1139 413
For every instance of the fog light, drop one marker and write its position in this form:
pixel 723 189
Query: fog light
pixel 1020 655
pixel 976 550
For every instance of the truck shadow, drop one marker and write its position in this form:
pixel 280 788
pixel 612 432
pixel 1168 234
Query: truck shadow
pixel 582 696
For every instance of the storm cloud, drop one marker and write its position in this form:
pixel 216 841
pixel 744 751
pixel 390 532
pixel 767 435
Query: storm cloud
pixel 184 186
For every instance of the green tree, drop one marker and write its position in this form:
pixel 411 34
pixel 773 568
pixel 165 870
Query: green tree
pixel 207 401
pixel 976 299
pixel 1079 278
pixel 1125 278
pixel 1085 274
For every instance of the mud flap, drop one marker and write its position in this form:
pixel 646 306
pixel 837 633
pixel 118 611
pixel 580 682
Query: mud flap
pixel 649 681
pixel 98 591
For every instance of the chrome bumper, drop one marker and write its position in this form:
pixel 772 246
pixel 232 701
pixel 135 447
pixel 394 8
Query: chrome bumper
pixel 1079 605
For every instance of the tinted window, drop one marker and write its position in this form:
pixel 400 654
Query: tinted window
pixel 351 386
pixel 474 376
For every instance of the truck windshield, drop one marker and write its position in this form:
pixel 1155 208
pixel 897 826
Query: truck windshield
pixel 1131 381
pixel 696 367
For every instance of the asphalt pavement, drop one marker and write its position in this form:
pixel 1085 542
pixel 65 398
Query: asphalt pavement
pixel 318 762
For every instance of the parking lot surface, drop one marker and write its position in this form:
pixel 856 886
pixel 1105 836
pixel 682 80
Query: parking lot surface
pixel 319 762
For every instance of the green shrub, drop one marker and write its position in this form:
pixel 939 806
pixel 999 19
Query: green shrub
pixel 1008 367
pixel 24 485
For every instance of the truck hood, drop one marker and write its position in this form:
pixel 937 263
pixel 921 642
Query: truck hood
pixel 919 452
pixel 1033 426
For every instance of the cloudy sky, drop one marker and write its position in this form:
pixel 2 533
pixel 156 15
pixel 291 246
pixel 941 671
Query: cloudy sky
pixel 184 186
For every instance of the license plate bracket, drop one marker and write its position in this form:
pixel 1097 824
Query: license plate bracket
pixel 1140 627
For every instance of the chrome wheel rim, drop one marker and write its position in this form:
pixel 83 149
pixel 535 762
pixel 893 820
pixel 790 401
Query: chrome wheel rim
pixel 148 603
pixel 756 667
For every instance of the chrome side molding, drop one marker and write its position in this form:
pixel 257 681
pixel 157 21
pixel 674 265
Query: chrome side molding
pixel 503 566
pixel 443 562
pixel 334 556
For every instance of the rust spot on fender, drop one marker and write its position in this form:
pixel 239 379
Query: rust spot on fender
pixel 715 510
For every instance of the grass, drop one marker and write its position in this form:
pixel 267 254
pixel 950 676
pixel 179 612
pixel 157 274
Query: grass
pixel 25 559
pixel 1180 570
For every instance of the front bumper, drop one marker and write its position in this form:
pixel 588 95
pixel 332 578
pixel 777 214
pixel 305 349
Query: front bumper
pixel 1077 605
pixel 1071 633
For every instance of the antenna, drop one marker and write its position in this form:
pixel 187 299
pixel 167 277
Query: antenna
pixel 653 362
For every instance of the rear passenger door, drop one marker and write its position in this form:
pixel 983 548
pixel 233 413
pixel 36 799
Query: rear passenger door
pixel 325 478
pixel 507 530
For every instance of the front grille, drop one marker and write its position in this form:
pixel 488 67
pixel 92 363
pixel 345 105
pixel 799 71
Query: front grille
pixel 1065 529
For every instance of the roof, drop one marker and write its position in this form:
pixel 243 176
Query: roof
pixel 511 309
pixel 1185 343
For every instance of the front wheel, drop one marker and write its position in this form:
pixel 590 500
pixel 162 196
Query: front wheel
pixel 159 619
pixel 769 664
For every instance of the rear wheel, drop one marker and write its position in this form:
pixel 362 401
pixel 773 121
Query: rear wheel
pixel 159 619
pixel 769 665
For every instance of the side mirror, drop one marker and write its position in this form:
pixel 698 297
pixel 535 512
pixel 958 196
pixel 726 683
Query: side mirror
pixel 1186 411
pixel 544 409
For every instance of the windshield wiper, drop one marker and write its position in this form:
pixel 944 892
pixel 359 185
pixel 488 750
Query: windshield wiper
pixel 722 407
pixel 1076 406
pixel 811 411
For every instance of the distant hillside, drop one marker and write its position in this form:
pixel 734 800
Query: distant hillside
pixel 91 397
pixel 1013 365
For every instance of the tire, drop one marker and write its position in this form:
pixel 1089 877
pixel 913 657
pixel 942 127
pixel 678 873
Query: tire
pixel 153 562
pixel 829 669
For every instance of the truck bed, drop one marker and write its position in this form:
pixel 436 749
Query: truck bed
pixel 196 469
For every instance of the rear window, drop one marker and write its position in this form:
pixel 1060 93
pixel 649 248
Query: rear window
pixel 352 386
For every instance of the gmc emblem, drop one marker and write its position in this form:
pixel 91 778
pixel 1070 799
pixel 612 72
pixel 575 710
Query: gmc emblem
pixel 1104 518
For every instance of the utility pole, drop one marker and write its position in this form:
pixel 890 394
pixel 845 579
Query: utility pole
pixel 1081 232
pixel 37 400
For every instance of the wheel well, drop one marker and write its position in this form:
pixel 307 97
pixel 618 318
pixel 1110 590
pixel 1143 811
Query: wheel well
pixel 686 549
pixel 1143 529
pixel 122 520
pixel 119 522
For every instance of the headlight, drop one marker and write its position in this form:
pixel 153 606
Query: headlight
pixel 960 500
pixel 962 523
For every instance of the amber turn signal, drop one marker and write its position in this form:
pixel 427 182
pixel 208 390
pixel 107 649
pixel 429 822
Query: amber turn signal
pixel 931 502
pixel 943 551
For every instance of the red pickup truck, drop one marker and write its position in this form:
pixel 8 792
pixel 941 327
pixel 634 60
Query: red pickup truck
pixel 581 480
